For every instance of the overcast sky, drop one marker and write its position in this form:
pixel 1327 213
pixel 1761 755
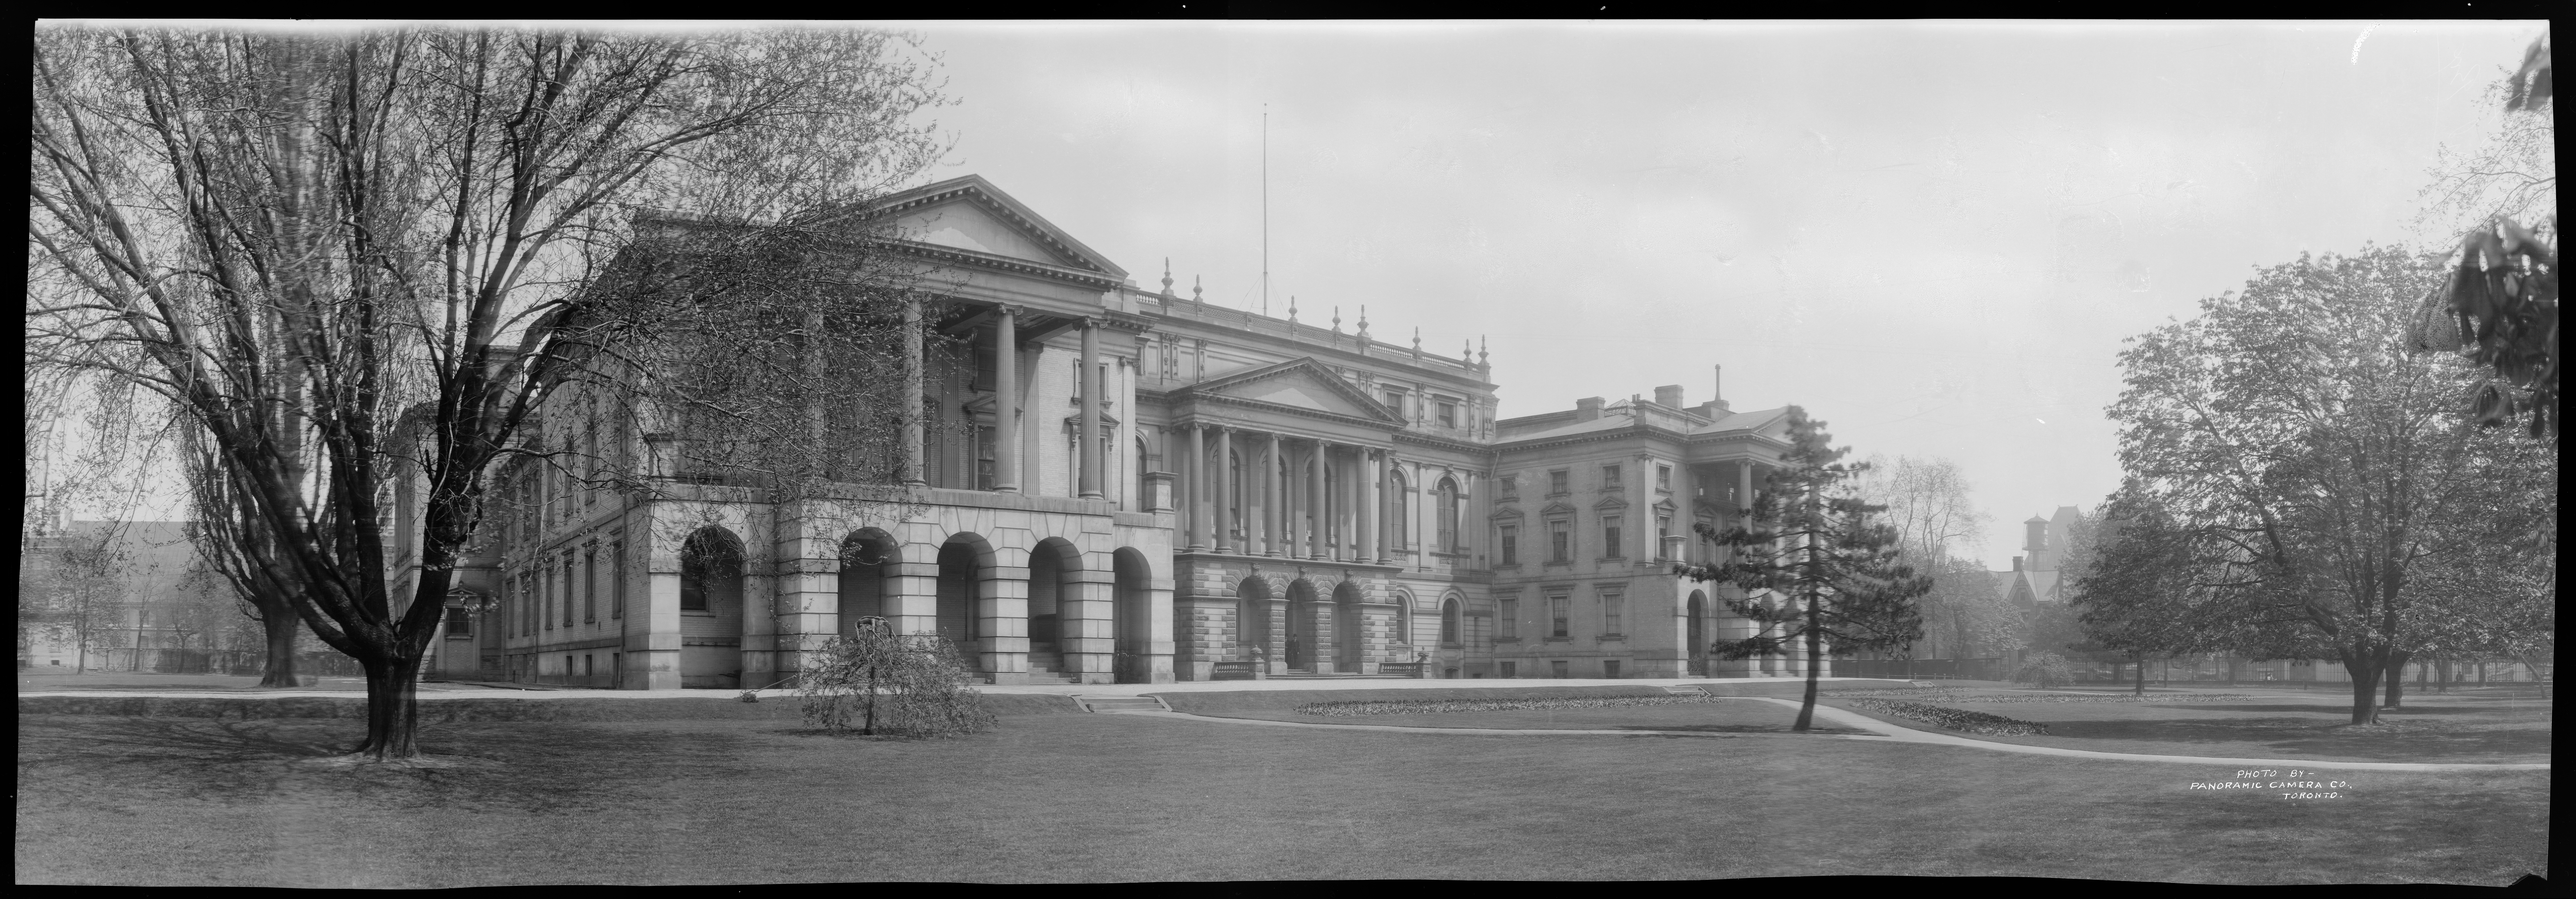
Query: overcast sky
pixel 1932 236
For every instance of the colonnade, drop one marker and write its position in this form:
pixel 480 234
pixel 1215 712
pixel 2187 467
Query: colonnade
pixel 1287 510
pixel 1006 403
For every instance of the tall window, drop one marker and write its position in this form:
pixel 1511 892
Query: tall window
pixel 1511 545
pixel 617 580
pixel 1510 485
pixel 1449 622
pixel 1559 610
pixel 1664 478
pixel 1511 619
pixel 1448 515
pixel 509 606
pixel 590 585
pixel 570 566
pixel 547 597
pixel 1612 605
pixel 1610 548
pixel 1663 537
pixel 1556 481
pixel 1448 414
pixel 1399 521
pixel 1560 542
pixel 1609 476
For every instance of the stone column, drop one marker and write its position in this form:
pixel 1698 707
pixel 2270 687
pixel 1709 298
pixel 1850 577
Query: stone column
pixel 1195 476
pixel 1274 507
pixel 912 589
pixel 1006 401
pixel 1002 620
pixel 1090 439
pixel 808 597
pixel 912 377
pixel 1315 548
pixel 1256 501
pixel 1379 463
pixel 653 632
pixel 1085 619
pixel 1225 498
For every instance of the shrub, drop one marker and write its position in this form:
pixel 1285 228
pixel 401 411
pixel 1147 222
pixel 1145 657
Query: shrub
pixel 904 684
pixel 2046 669
pixel 1953 719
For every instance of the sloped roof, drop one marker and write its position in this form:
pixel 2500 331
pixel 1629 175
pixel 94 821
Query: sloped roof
pixel 1301 383
pixel 1744 421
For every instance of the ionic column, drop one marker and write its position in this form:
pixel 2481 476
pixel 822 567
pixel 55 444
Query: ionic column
pixel 1224 489
pixel 1255 503
pixel 1373 544
pixel 1272 467
pixel 1006 402
pixel 1090 440
pixel 912 366
pixel 1194 474
pixel 1315 506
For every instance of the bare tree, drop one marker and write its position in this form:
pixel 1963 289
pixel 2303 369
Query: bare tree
pixel 1928 504
pixel 347 256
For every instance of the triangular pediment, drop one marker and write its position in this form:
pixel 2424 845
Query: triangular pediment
pixel 971 215
pixel 1507 512
pixel 1611 502
pixel 1300 384
pixel 1554 509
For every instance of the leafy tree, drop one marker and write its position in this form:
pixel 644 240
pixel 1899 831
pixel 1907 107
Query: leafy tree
pixel 2499 306
pixel 1814 564
pixel 909 684
pixel 2133 595
pixel 2305 457
pixel 354 258
pixel 2046 669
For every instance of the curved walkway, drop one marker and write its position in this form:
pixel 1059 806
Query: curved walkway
pixel 1884 731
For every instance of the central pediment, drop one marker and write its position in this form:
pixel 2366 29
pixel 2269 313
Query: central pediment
pixel 1298 384
pixel 970 214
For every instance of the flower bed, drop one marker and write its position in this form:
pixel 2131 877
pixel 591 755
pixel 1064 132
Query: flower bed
pixel 1953 719
pixel 1430 706
pixel 2169 697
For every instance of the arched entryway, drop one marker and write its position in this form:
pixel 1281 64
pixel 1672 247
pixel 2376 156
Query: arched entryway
pixel 1253 604
pixel 1697 630
pixel 711 566
pixel 1304 637
pixel 1055 609
pixel 867 557
pixel 1133 617
pixel 961 562
pixel 1350 645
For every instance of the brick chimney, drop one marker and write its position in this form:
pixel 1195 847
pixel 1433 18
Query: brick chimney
pixel 2016 563
pixel 1669 396
pixel 1587 408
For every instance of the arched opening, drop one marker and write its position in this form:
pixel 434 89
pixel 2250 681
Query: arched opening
pixel 1403 626
pixel 1399 523
pixel 711 609
pixel 1055 610
pixel 1301 635
pixel 1350 647
pixel 1697 628
pixel 1253 602
pixel 1449 630
pixel 1133 617
pixel 1448 542
pixel 960 562
pixel 866 558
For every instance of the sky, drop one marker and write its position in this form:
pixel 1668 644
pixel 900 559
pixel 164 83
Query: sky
pixel 1932 236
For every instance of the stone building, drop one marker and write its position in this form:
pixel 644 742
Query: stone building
pixel 1240 495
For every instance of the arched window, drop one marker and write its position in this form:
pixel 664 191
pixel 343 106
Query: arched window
pixel 1399 526
pixel 710 571
pixel 1448 516
pixel 1449 622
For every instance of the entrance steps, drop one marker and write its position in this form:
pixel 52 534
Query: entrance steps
pixel 1046 665
pixel 1121 703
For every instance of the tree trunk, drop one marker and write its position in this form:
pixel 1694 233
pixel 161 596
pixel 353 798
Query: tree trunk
pixel 2365 689
pixel 2443 685
pixel 393 708
pixel 2397 677
pixel 1815 664
pixel 2142 675
pixel 280 626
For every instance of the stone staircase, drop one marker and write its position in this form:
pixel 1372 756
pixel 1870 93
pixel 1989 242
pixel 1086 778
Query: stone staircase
pixel 1121 703
pixel 1046 665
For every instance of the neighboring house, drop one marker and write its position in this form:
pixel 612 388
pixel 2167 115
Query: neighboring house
pixel 1252 495
pixel 148 601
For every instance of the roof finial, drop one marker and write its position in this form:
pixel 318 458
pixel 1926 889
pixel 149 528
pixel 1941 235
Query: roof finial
pixel 1466 349
pixel 1417 343
pixel 1197 288
pixel 1337 319
pixel 1292 313
pixel 1482 356
pixel 1167 277
pixel 1363 318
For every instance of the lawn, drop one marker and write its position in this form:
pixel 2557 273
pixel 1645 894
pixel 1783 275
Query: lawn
pixel 1072 797
pixel 1718 716
pixel 2479 726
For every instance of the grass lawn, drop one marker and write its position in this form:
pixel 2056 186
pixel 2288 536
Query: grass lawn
pixel 1721 716
pixel 2494 726
pixel 185 801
